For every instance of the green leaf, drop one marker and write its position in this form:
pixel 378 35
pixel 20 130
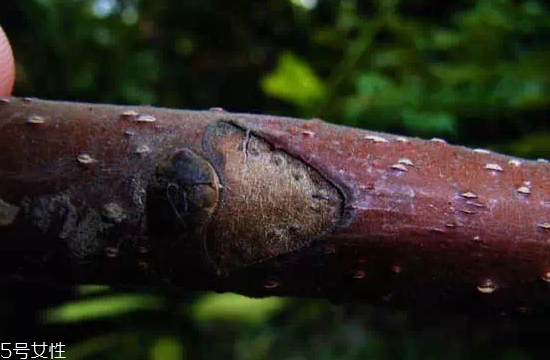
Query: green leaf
pixel 293 80
pixel 109 306
pixel 236 308
pixel 374 84
pixel 168 348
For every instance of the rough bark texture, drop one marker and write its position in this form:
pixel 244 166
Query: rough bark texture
pixel 267 205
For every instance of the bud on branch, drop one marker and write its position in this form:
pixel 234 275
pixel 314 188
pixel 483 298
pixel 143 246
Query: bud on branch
pixel 266 205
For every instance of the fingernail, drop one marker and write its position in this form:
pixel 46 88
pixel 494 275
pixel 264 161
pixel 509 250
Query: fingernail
pixel 7 71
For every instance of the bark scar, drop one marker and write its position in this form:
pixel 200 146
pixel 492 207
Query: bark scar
pixel 272 203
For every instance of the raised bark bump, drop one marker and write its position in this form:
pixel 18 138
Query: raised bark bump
pixel 287 204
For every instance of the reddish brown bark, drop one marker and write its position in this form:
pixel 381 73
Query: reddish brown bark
pixel 266 205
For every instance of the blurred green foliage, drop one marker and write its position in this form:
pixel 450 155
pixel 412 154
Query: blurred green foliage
pixel 476 72
pixel 294 81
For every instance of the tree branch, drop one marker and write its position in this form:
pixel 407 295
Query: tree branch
pixel 266 205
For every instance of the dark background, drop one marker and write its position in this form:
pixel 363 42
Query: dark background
pixel 474 72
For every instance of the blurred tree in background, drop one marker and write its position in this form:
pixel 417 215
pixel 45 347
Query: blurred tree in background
pixel 475 72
